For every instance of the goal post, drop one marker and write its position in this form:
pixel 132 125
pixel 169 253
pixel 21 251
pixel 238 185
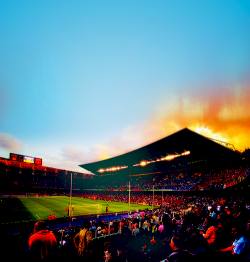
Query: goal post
pixel 83 209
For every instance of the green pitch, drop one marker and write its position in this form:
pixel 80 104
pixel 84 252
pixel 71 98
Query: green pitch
pixel 21 209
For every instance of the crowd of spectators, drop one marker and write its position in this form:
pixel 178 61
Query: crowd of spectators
pixel 181 228
pixel 191 180
pixel 205 229
pixel 173 202
pixel 22 178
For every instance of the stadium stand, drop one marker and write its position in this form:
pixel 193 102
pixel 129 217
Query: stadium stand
pixel 23 178
pixel 194 196
pixel 20 178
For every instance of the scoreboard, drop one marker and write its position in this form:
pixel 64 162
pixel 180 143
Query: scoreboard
pixel 25 159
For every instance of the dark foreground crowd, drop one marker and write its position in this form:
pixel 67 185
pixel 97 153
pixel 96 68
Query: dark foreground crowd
pixel 211 229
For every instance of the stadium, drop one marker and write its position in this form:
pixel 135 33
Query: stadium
pixel 170 182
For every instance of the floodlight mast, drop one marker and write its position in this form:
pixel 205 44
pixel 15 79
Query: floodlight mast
pixel 153 199
pixel 129 198
pixel 70 202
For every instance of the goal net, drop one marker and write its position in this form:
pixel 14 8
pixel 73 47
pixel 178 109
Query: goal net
pixel 79 210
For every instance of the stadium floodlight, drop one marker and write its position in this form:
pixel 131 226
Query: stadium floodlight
pixel 143 163
pixel 170 157
pixel 114 168
pixel 185 153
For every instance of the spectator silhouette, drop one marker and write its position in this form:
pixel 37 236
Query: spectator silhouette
pixel 43 243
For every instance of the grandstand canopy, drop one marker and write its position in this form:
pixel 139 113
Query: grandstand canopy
pixel 182 144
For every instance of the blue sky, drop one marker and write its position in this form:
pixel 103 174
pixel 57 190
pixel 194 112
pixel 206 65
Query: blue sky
pixel 82 81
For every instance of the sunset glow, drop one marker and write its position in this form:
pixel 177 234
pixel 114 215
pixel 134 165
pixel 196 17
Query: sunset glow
pixel 205 131
pixel 112 78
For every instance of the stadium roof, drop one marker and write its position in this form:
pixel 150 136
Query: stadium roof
pixel 182 143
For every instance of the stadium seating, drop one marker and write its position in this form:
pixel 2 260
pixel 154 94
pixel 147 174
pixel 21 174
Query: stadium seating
pixel 23 178
pixel 181 214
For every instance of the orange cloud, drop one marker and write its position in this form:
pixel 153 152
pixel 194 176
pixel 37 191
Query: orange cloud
pixel 220 112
